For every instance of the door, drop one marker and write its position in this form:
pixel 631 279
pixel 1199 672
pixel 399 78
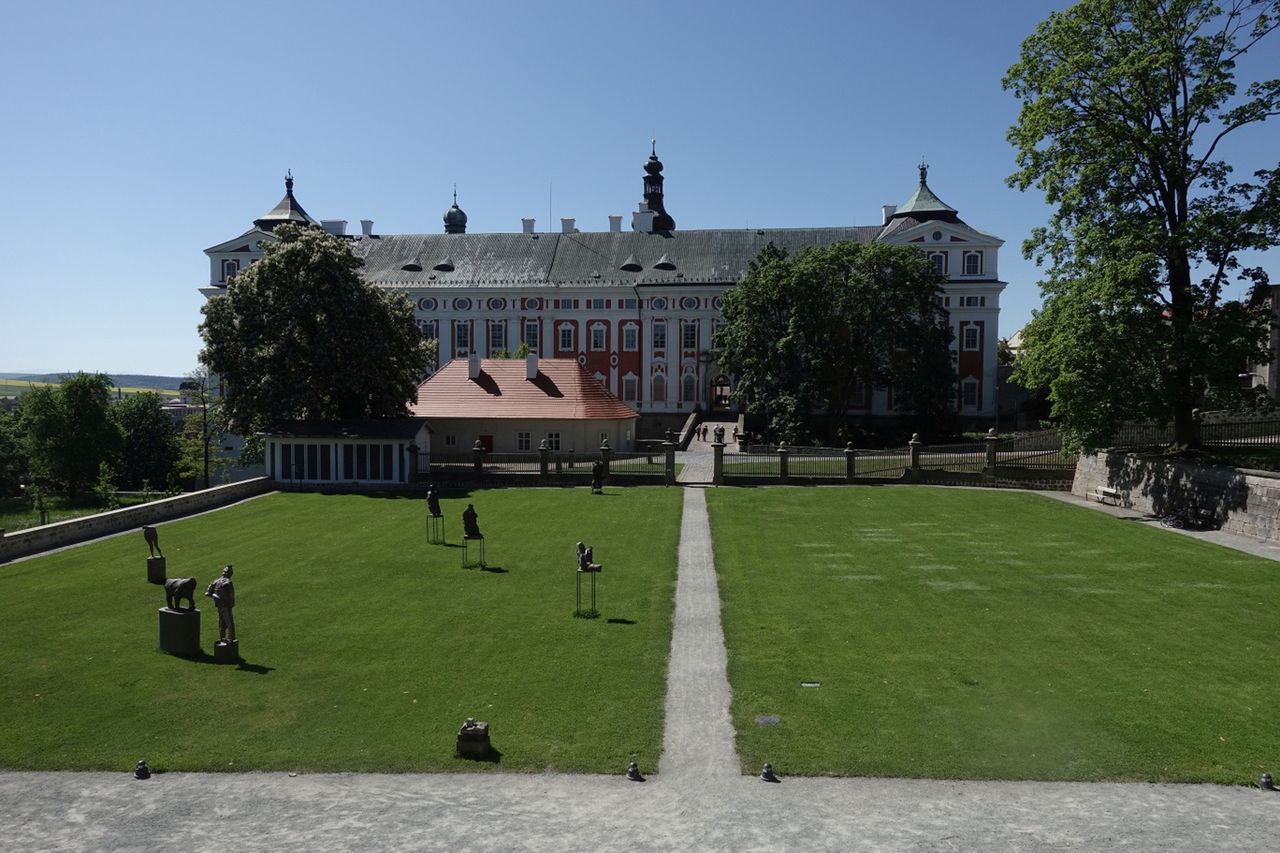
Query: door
pixel 486 441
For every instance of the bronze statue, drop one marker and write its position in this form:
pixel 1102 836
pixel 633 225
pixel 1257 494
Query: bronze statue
pixel 433 503
pixel 470 526
pixel 224 598
pixel 153 541
pixel 586 557
pixel 179 588
pixel 597 477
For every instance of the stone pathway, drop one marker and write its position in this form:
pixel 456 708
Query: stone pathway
pixel 698 800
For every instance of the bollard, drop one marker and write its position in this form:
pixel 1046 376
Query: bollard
pixel 717 470
pixel 783 453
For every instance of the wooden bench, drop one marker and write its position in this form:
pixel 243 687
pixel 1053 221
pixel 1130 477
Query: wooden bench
pixel 1106 493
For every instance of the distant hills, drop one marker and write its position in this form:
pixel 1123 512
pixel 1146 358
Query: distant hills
pixel 16 383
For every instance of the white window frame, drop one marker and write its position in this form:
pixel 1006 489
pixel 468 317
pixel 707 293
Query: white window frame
pixel 553 441
pixel 939 262
pixel 462 335
pixel 532 329
pixel 976 258
pixel 659 396
pixel 630 388
pixel 564 332
pixel 523 441
pixel 430 329
pixel 631 337
pixel 688 327
pixel 659 334
pixel 686 382
pixel 599 338
pixel 969 386
pixel 965 333
pixel 497 335
pixel 230 266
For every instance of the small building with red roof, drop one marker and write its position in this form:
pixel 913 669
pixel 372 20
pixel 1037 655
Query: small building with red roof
pixel 513 405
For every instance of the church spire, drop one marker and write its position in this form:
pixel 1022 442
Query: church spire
pixel 653 194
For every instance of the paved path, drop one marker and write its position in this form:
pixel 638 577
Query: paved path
pixel 697 802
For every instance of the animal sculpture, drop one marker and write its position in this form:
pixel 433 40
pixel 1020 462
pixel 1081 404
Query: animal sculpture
pixel 176 589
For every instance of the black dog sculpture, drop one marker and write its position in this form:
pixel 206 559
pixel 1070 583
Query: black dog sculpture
pixel 176 589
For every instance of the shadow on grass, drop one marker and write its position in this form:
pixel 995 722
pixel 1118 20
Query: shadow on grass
pixel 620 622
pixel 494 570
pixel 493 756
pixel 241 665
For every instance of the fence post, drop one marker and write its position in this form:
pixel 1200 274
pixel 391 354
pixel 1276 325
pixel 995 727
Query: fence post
pixel 717 469
pixel 411 464
pixel 669 451
pixel 605 454
pixel 850 462
pixel 991 440
pixel 543 454
pixel 783 453
pixel 477 451
pixel 915 444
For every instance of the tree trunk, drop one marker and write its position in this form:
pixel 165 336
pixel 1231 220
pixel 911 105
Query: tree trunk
pixel 1186 434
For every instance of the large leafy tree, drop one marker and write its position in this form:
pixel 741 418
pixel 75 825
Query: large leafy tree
pixel 149 441
pixel 13 455
pixel 804 334
pixel 1127 107
pixel 69 431
pixel 301 335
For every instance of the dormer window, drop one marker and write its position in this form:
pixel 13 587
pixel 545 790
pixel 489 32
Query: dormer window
pixel 229 269
pixel 939 261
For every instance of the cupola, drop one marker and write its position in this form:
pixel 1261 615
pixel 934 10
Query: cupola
pixel 288 210
pixel 455 221
pixel 652 215
pixel 923 204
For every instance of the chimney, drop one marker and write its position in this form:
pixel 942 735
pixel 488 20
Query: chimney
pixel 531 366
pixel 473 366
pixel 566 225
pixel 336 227
pixel 887 211
pixel 366 227
pixel 615 224
pixel 642 218
pixel 528 224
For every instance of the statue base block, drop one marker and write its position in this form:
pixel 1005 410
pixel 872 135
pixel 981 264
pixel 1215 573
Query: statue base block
pixel 180 631
pixel 226 651
pixel 155 570
pixel 473 742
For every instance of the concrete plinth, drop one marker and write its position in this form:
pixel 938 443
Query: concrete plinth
pixel 180 631
pixel 226 651
pixel 155 570
pixel 473 741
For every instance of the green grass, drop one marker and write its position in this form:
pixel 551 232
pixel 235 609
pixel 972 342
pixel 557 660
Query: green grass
pixel 20 513
pixel 992 635
pixel 365 647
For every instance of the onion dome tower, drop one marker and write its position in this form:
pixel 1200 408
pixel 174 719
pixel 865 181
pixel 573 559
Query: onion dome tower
pixel 455 221
pixel 662 220
pixel 288 210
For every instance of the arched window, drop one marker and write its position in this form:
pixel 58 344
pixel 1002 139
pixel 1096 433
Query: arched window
pixel 972 263
pixel 689 388
pixel 659 389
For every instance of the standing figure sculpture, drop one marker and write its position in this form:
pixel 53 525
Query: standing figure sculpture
pixel 224 598
pixel 433 503
pixel 470 525
pixel 153 541
pixel 597 477
pixel 586 556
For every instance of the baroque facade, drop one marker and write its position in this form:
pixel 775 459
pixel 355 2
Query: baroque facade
pixel 637 308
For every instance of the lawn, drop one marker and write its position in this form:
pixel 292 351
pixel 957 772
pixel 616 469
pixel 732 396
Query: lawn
pixel 365 648
pixel 959 633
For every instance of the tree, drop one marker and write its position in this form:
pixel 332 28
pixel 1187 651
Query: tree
pixel 1126 105
pixel 810 332
pixel 202 430
pixel 69 432
pixel 301 335
pixel 13 456
pixel 149 441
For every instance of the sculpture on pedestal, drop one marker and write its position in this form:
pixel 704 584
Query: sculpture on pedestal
pixel 176 589
pixel 153 541
pixel 224 598
pixel 470 523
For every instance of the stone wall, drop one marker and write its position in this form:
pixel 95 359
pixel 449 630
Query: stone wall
pixel 37 539
pixel 1243 502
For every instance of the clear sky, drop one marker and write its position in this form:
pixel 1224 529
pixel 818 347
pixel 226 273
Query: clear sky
pixel 139 134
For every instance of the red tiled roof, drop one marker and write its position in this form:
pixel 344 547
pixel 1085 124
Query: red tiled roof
pixel 563 390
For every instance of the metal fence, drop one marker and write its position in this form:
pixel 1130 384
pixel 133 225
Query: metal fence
pixel 887 464
pixel 816 462
pixel 1239 432
pixel 1039 450
pixel 970 456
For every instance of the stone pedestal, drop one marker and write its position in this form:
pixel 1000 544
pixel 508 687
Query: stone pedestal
pixel 226 651
pixel 155 570
pixel 473 741
pixel 180 631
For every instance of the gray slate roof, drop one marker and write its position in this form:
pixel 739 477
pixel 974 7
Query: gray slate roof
pixel 595 259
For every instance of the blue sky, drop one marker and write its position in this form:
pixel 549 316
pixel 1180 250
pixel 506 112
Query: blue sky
pixel 138 135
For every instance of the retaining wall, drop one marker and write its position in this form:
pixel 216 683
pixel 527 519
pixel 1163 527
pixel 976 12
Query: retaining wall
pixel 37 539
pixel 1243 502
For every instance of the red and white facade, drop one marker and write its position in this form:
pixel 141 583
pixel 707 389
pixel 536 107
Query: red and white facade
pixel 637 308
